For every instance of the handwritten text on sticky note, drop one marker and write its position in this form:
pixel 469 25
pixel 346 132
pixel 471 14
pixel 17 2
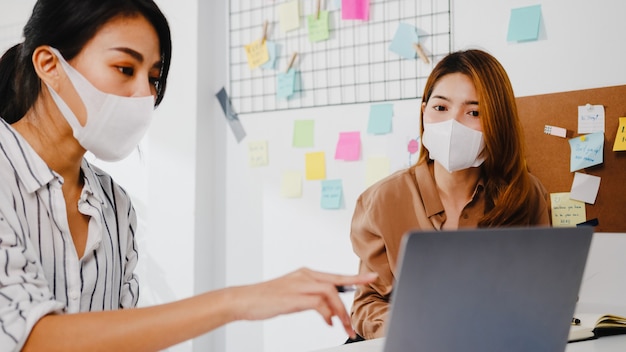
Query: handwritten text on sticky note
pixel 257 152
pixel 586 151
pixel 318 27
pixel 565 211
pixel 590 118
pixel 620 138
pixel 332 194
pixel 257 54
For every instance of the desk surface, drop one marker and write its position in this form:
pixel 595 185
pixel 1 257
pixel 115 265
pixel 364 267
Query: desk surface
pixel 603 344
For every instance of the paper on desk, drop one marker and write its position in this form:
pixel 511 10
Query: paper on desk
pixel 566 212
pixel 348 146
pixel 315 166
pixel 586 151
pixel 590 119
pixel 585 188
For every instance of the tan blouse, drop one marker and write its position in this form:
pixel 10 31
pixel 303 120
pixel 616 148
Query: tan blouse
pixel 406 200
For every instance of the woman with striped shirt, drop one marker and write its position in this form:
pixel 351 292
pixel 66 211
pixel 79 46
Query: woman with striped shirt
pixel 86 78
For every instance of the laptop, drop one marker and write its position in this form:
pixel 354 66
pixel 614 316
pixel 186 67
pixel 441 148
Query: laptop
pixel 505 289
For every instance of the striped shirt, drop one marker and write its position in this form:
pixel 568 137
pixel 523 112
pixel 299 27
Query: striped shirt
pixel 40 271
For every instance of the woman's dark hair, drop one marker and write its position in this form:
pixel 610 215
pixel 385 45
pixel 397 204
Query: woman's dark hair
pixel 68 25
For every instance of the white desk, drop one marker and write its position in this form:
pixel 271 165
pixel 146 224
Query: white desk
pixel 603 344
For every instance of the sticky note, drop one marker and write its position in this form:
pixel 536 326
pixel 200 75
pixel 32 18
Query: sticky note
pixel 272 49
pixel 524 24
pixel 315 166
pixel 332 194
pixel 257 53
pixel 257 152
pixel 376 168
pixel 303 133
pixel 586 151
pixel 355 10
pixel 585 188
pixel 566 212
pixel 318 27
pixel 620 138
pixel 555 131
pixel 348 146
pixel 286 84
pixel 590 118
pixel 380 119
pixel 404 40
pixel 289 15
pixel 291 184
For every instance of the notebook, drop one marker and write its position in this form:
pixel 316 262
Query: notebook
pixel 506 289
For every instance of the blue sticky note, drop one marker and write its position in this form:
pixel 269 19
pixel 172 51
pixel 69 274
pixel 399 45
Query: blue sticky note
pixel 586 151
pixel 272 48
pixel 524 24
pixel 404 40
pixel 380 119
pixel 332 194
pixel 286 84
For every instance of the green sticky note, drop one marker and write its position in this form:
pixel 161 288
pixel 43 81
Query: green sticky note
pixel 332 194
pixel 318 27
pixel 303 133
pixel 524 24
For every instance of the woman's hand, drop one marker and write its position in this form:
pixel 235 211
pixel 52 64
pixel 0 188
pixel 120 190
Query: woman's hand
pixel 300 290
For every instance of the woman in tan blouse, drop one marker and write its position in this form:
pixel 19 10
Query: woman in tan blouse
pixel 471 173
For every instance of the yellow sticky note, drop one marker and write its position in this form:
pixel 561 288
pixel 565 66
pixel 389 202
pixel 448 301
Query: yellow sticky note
pixel 291 184
pixel 620 138
pixel 257 54
pixel 289 15
pixel 566 212
pixel 315 166
pixel 376 168
pixel 257 152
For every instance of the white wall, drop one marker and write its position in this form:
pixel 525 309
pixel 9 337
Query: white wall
pixel 581 46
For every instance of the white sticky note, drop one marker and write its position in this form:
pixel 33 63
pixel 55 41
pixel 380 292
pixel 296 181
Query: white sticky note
pixel 585 187
pixel 590 119
pixel 555 131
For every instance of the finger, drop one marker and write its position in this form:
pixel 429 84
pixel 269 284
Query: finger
pixel 344 279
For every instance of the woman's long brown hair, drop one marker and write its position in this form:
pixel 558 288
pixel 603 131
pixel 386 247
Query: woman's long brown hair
pixel 507 182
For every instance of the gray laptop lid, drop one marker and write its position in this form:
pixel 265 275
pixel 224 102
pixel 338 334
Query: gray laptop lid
pixel 507 289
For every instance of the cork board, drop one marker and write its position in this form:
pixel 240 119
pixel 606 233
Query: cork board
pixel 548 156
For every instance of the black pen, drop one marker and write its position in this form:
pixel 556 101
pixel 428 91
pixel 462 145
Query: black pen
pixel 345 288
pixel 575 321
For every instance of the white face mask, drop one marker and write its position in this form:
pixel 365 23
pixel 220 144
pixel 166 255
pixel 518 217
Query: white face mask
pixel 115 124
pixel 454 145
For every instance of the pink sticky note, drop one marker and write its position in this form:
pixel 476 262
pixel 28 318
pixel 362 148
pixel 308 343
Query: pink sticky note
pixel 348 146
pixel 355 10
